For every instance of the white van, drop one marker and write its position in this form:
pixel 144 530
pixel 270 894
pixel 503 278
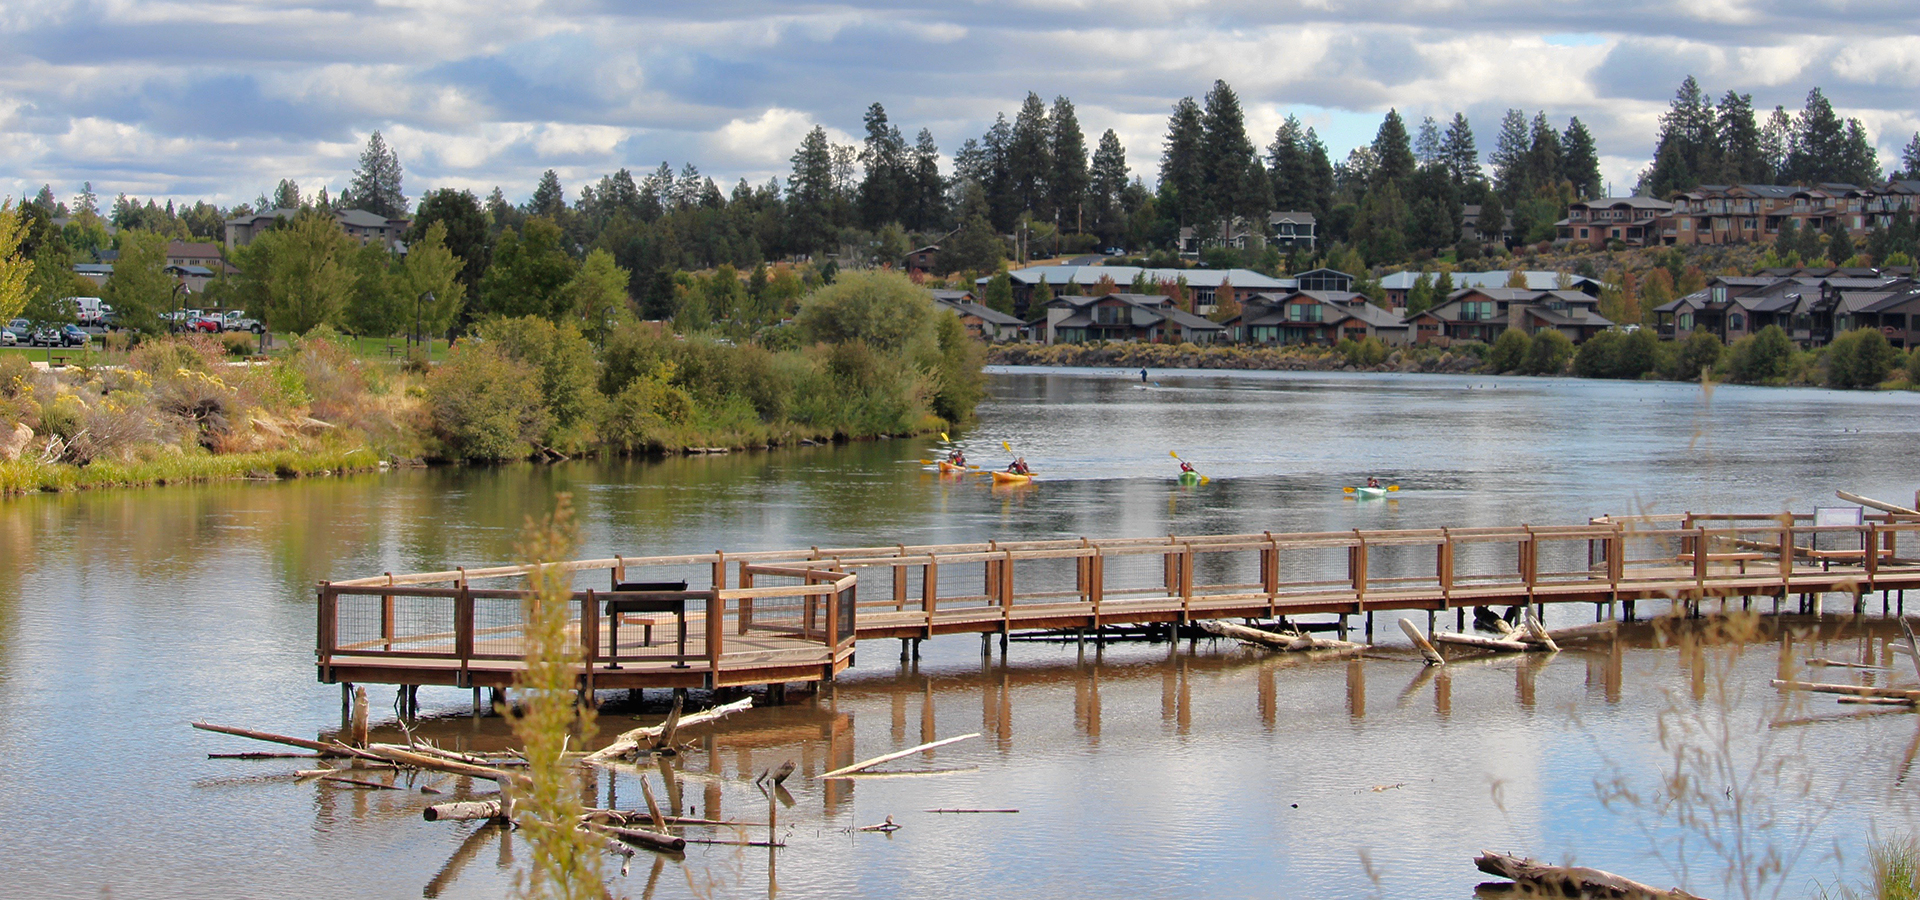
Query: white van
pixel 86 309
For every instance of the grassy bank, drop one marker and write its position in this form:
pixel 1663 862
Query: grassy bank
pixel 24 476
pixel 1368 355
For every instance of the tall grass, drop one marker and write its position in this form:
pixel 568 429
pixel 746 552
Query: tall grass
pixel 28 475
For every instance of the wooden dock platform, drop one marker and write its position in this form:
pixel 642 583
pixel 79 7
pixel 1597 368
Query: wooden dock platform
pixel 773 617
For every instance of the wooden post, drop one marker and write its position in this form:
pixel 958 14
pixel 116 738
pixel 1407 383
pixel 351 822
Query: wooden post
pixel 716 634
pixel 1097 574
pixel 745 604
pixel 463 625
pixel 326 631
pixel 900 585
pixel 386 614
pixel 1186 584
pixel 929 588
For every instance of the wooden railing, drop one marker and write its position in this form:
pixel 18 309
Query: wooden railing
pixel 810 596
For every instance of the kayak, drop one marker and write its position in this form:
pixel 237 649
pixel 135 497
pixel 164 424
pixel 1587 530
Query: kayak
pixel 1189 477
pixel 947 468
pixel 1011 478
pixel 1371 492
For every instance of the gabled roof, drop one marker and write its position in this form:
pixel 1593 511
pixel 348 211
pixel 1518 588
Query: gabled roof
pixel 1893 299
pixel 1296 218
pixel 1536 280
pixel 1088 276
pixel 985 314
pixel 1646 203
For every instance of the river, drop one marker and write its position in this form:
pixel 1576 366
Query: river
pixel 1149 770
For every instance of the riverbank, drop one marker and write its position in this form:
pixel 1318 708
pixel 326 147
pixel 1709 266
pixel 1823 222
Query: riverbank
pixel 1351 357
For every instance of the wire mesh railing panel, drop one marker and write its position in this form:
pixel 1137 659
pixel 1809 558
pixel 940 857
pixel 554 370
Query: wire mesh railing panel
pixel 499 628
pixel 414 626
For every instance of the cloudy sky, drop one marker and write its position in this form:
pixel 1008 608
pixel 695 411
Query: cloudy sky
pixel 219 99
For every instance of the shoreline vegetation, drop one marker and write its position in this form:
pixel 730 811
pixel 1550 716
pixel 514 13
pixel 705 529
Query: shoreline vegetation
pixel 1861 359
pixel 867 357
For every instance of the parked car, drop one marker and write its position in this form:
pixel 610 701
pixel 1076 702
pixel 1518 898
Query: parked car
pixel 62 336
pixel 8 338
pixel 209 324
pixel 20 327
pixel 238 321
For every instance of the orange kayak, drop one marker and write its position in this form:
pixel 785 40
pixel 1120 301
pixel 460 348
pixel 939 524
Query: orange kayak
pixel 1011 478
pixel 947 468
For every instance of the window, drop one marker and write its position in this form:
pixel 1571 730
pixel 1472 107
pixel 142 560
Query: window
pixel 1107 315
pixel 1719 293
pixel 1686 321
pixel 1583 232
pixel 1736 322
pixel 1303 312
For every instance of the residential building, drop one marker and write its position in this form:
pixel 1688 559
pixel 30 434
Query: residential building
pixel 1314 317
pixel 981 321
pixel 1747 213
pixel 1482 313
pixel 1633 221
pixel 1147 318
pixel 922 260
pixel 357 223
pixel 1293 229
pixel 1398 284
pixel 207 255
pixel 1811 306
pixel 1202 284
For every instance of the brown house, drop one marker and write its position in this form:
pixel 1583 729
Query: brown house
pixel 1147 318
pixel 1634 221
pixel 1481 314
pixel 1314 317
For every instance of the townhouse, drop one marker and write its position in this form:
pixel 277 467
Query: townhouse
pixel 1146 318
pixel 1314 317
pixel 1811 306
pixel 1482 313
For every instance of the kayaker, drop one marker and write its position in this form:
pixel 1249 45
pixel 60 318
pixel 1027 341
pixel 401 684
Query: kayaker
pixel 1019 467
pixel 1372 482
pixel 1185 466
pixel 955 457
pixel 1143 376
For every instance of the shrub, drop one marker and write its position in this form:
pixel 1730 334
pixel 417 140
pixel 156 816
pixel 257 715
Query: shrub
pixel 1861 358
pixel 17 375
pixel 567 372
pixel 1700 354
pixel 238 343
pixel 1762 357
pixel 1509 351
pixel 165 356
pixel 483 405
pixel 1599 357
pixel 647 414
pixel 1368 351
pixel 1549 353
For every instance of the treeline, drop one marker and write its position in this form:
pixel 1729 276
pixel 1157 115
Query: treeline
pixel 1700 142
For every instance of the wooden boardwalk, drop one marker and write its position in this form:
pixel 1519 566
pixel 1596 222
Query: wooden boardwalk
pixel 772 617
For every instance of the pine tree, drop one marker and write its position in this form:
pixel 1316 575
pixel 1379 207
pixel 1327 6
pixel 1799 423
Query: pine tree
pixel 1428 146
pixel 1581 160
pixel 1067 185
pixel 286 195
pixel 376 183
pixel 1742 154
pixel 810 194
pixel 1817 146
pixel 1909 162
pixel 1287 167
pixel 1544 167
pixel 46 201
pixel 927 208
pixel 1510 156
pixel 883 193
pixel 1107 184
pixel 1684 151
pixel 1320 175
pixel 1236 185
pixel 1775 140
pixel 549 199
pixel 1462 158
pixel 1183 177
pixel 1030 159
pixel 1392 153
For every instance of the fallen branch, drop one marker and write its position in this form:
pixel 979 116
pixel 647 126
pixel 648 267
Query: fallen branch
pixel 1857 690
pixel 1571 881
pixel 1534 633
pixel 651 840
pixel 1427 650
pixel 627 743
pixel 1485 643
pixel 1821 662
pixel 254 754
pixel 1291 643
pixel 407 757
pixel 972 810
pixel 335 749
pixel 887 827
pixel 465 811
pixel 890 757
pixel 1877 701
pixel 356 782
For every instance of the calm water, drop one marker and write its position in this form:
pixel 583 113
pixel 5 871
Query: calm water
pixel 1140 770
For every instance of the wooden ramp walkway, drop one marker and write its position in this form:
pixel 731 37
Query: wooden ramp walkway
pixel 772 617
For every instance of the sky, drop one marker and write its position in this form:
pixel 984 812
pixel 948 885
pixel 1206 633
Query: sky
pixel 220 99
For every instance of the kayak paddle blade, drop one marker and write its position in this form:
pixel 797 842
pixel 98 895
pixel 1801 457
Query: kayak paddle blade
pixel 1346 490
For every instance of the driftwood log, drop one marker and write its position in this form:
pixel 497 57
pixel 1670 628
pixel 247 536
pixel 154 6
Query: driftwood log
pixel 1427 651
pixel 1291 643
pixel 1909 695
pixel 1571 881
pixel 627 745
pixel 897 754
pixel 1484 643
pixel 464 811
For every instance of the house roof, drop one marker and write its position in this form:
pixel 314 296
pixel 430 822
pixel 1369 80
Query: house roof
pixel 1646 203
pixel 193 249
pixel 191 271
pixel 1296 218
pixel 93 268
pixel 985 314
pixel 1536 280
pixel 1088 276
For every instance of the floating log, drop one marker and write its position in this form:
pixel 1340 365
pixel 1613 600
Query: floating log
pixel 648 839
pixel 1534 632
pixel 464 811
pixel 1822 662
pixel 335 749
pixel 628 742
pixel 408 757
pixel 1291 643
pixel 1880 505
pixel 890 757
pixel 1432 656
pixel 653 808
pixel 971 810
pixel 1606 629
pixel 357 782
pixel 1571 881
pixel 1857 690
pixel 254 754
pixel 664 740
pixel 723 842
pixel 1485 643
pixel 1876 701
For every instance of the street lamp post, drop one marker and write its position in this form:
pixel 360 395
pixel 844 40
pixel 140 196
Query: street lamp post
pixel 179 304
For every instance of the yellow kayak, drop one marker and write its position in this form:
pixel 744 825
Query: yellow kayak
pixel 947 468
pixel 1011 478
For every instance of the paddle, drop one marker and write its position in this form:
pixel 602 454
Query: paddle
pixel 1203 479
